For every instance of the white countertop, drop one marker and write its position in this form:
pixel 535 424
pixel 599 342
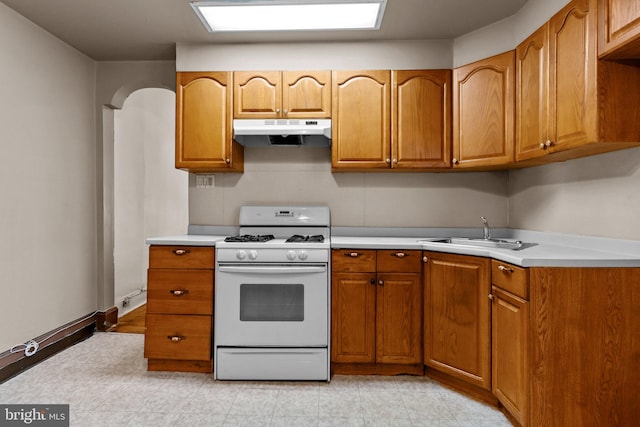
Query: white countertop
pixel 551 249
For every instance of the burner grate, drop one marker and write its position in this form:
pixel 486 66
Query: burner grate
pixel 296 238
pixel 250 238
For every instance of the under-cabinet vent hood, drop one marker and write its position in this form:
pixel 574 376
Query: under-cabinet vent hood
pixel 282 132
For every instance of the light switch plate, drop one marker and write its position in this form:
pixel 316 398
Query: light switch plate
pixel 205 181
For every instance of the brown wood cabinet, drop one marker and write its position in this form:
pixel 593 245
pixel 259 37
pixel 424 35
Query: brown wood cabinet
pixel 391 120
pixel 376 311
pixel 179 319
pixel 619 29
pixel 584 346
pixel 457 317
pixel 361 137
pixel 204 124
pixel 510 338
pixel 420 119
pixel 483 113
pixel 282 94
pixel 570 104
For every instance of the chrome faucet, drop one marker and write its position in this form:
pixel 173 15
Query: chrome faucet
pixel 486 231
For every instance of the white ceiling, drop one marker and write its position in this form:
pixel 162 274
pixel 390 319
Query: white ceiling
pixel 149 29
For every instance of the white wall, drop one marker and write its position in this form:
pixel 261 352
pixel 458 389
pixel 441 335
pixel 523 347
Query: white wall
pixel 150 195
pixel 47 182
pixel 303 175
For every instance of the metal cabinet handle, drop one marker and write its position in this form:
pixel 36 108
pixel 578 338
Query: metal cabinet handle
pixel 548 143
pixel 387 160
pixel 181 252
pixel 505 269
pixel 491 297
pixel 425 259
pixel 352 254
pixel 455 161
pixel 399 254
pixel 381 282
pixel 372 281
pixel 178 293
pixel 176 338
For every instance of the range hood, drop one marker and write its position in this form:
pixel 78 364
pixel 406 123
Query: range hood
pixel 282 132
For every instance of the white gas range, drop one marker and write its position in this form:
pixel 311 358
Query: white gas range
pixel 272 296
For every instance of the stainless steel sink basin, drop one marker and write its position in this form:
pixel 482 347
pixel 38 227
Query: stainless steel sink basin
pixel 479 242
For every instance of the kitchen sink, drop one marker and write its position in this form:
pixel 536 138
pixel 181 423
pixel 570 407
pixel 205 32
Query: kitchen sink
pixel 479 242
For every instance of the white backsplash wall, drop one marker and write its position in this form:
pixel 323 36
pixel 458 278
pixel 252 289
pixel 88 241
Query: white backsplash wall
pixel 292 175
pixel 594 196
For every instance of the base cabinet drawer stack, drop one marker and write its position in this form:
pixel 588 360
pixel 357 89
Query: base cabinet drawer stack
pixel 179 322
pixel 376 312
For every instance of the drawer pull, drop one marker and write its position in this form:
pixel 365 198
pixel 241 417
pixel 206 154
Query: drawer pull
pixel 352 254
pixel 176 338
pixel 505 269
pixel 181 252
pixel 178 293
pixel 399 254
pixel 491 297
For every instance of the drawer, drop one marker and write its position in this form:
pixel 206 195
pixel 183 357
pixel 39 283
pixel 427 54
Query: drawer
pixel 353 260
pixel 399 261
pixel 178 337
pixel 510 278
pixel 174 291
pixel 181 257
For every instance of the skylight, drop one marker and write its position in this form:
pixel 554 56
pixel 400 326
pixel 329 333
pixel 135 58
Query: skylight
pixel 284 15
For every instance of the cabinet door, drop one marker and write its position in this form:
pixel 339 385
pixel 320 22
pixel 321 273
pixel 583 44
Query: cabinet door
pixel 306 94
pixel 257 95
pixel 361 121
pixel 457 316
pixel 203 123
pixel 510 320
pixel 421 119
pixel 532 99
pixel 572 77
pixel 399 318
pixel 353 316
pixel 483 112
pixel 619 29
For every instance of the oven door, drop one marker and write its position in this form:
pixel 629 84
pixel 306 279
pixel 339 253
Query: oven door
pixel 271 305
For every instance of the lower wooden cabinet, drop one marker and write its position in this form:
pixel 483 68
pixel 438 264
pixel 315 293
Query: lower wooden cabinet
pixel 179 322
pixel 376 313
pixel 457 317
pixel 510 339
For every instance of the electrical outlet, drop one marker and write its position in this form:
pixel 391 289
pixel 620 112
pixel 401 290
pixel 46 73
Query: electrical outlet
pixel 205 181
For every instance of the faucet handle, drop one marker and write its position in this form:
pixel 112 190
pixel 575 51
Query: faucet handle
pixel 484 220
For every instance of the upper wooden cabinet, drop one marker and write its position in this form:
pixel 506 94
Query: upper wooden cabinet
pixel 282 94
pixel 619 29
pixel 420 119
pixel 391 120
pixel 361 120
pixel 203 123
pixel 483 113
pixel 570 104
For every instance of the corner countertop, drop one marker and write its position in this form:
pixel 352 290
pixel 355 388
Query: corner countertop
pixel 550 249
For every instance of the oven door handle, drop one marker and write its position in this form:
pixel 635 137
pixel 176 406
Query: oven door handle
pixel 263 269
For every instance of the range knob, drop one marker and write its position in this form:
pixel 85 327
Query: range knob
pixel 303 255
pixel 241 254
pixel 253 254
pixel 291 255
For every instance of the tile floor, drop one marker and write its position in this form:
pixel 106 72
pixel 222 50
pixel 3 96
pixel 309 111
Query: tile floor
pixel 113 388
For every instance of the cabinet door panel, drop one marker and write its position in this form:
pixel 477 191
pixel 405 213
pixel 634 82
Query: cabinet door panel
pixel 483 112
pixel 257 94
pixel 306 94
pixel 619 29
pixel 532 100
pixel 361 121
pixel 573 77
pixel 421 119
pixel 510 320
pixel 203 121
pixel 399 318
pixel 353 316
pixel 458 316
